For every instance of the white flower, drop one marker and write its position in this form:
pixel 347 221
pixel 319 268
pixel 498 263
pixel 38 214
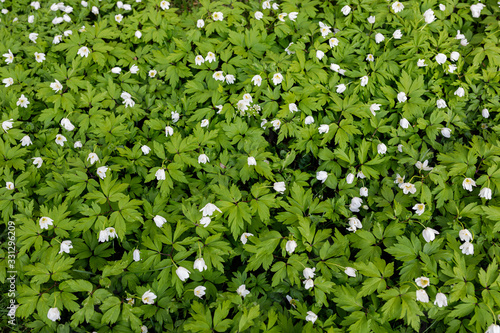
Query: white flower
pixel 493 329
pixel 148 297
pixel 379 38
pixel 244 237
pixel 355 204
pixel 422 282
pixel 341 88
pixel 381 148
pixel 257 80
pixel 290 246
pixel 103 236
pixel 200 23
pixel 160 174
pixel 454 56
pixel 203 159
pixel 210 57
pixel 363 192
pixel 441 298
pixel 476 9
pixel 60 140
pixel 136 255
pixel 364 81
pixel 200 291
pixel 370 57
pixel 429 234
pixel 45 222
pixel 54 314
pixel 320 54
pixel 485 193
pixel 78 144
pixel 464 42
pixel 467 248
pixel 419 208
pixel 354 224
pixel 397 7
pixel 230 78
pixel 65 246
pixel 333 42
pixel 95 10
pixel 22 101
pixel 350 178
pixel 101 171
pixel 175 116
pixel 219 76
pixel 279 187
pixel 346 10
pixel 361 175
pixel 309 120
pixel 38 161
pixel 251 161
pixel 10 186
pixel 276 124
pixel 200 265
pixel 198 60
pixel 152 73
pixel 465 235
pixel 159 220
pixel 421 63
pixel 423 166
pixel 422 296
pixel 399 180
pixel 145 149
pixel 350 271
pixel 287 50
pixel 441 103
pixel 204 123
pixel 442 7
pixel 33 37
pixel 308 273
pixel 293 107
pixel 459 35
pixel 308 284
pixel 26 141
pixel 8 81
pixel 371 19
pixel 400 148
pixel 242 291
pixel 35 5
pixel 397 34
pixel 485 113
pixel 293 16
pixel 209 209
pixel 9 57
pixel 169 131
pixel 401 97
pixel 375 107
pixel 334 67
pixel 217 16
pixel 164 5
pixel 429 16
pixel 323 129
pixel 321 176
pixel 446 132
pixel 311 316
pixel 282 16
pixel 404 123
pixel 275 6
pixel 324 29
pixel 93 158
pixel 460 92
pixel 468 183
pixel 57 20
pixel 205 221
pixel 83 52
pixel 408 188
pixel 441 58
pixel 277 79
pixel 56 86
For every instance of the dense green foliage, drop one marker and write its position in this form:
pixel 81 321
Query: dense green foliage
pixel 341 130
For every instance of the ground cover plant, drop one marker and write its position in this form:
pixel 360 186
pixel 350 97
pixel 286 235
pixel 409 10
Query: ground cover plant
pixel 245 166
